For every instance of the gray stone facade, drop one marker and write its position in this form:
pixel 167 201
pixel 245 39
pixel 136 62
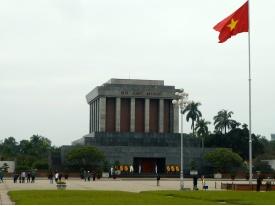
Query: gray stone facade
pixel 119 88
pixel 155 115
pixel 124 147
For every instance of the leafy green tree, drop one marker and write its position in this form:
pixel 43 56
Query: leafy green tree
pixel 224 160
pixel 86 157
pixel 9 148
pixel 238 139
pixel 223 121
pixel 202 129
pixel 193 113
pixel 40 146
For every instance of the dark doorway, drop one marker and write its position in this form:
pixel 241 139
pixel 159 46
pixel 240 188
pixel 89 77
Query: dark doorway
pixel 148 164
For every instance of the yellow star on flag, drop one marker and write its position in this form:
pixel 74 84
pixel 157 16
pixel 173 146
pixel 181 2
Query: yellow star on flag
pixel 232 24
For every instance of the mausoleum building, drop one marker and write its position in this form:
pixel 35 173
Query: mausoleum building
pixel 134 122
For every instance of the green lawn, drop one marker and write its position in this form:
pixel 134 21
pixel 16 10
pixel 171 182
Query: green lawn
pixel 68 197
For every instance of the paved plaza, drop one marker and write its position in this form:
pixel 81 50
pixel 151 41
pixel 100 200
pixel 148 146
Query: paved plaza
pixel 130 185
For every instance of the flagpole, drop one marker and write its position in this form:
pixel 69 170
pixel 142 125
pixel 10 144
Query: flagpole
pixel 249 85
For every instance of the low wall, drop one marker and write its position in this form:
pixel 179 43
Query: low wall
pixel 244 187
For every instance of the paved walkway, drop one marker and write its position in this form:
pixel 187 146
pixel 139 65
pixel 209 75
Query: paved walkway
pixel 131 185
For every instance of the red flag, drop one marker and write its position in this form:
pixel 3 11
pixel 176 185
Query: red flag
pixel 233 24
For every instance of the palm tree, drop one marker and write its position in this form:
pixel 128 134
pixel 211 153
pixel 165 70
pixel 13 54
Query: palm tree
pixel 202 129
pixel 193 113
pixel 223 120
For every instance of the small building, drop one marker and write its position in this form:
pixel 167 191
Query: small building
pixel 134 122
pixel 272 137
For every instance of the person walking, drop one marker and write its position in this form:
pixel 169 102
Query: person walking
pixel 28 177
pixel 259 183
pixel 131 169
pixel 111 172
pixel 94 174
pixel 15 177
pixel 89 176
pixel 195 182
pixel 158 179
pixel 50 177
pixel 23 176
pixel 56 175
pixel 203 183
pixel 156 169
pixel 1 175
pixel 60 176
pixel 33 175
pixel 268 184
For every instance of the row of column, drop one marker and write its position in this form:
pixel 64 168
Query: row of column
pixel 94 115
pixel 98 115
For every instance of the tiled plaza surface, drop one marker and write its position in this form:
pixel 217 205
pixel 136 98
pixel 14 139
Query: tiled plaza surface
pixel 131 185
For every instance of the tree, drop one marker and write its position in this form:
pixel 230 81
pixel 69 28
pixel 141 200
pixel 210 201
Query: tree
pixel 223 121
pixel 9 148
pixel 5 167
pixel 193 113
pixel 224 160
pixel 202 129
pixel 86 157
pixel 40 146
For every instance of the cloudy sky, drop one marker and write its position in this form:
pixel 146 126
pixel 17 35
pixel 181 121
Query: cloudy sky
pixel 52 53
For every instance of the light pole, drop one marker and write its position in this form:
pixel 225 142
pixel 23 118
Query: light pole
pixel 181 102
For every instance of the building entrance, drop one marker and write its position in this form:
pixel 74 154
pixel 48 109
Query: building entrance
pixel 149 165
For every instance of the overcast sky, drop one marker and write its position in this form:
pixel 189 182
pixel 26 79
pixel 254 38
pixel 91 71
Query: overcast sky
pixel 52 53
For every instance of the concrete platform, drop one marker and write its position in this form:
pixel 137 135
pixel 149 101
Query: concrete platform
pixel 130 185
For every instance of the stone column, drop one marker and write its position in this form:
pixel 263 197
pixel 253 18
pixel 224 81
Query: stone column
pixel 147 115
pixel 102 114
pixel 90 118
pixel 97 113
pixel 132 115
pixel 93 117
pixel 96 117
pixel 176 119
pixel 117 114
pixel 161 115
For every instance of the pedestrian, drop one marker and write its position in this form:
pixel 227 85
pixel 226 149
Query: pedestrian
pixel 15 177
pixel 28 177
pixel 259 183
pixel 89 176
pixel 111 172
pixel 33 175
pixel 85 175
pixel 156 169
pixel 56 175
pixel 195 183
pixel 97 175
pixel 131 169
pixel 20 178
pixel 158 179
pixel 94 174
pixel 60 176
pixel 23 176
pixel 203 183
pixel 50 177
pixel 268 184
pixel 139 169
pixel 1 175
pixel 66 176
